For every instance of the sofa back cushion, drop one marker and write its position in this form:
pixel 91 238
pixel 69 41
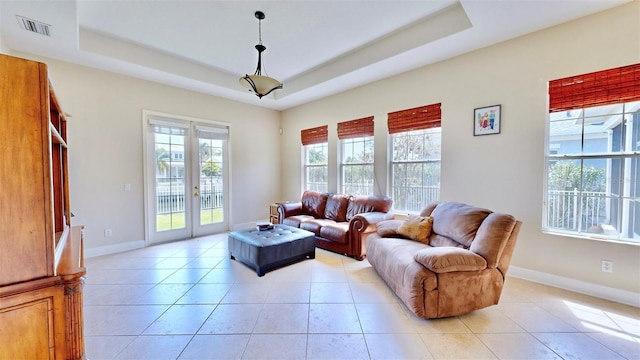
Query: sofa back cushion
pixel 455 222
pixel 371 203
pixel 336 208
pixel 314 203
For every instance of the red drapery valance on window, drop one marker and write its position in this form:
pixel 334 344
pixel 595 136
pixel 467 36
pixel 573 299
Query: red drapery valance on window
pixel 315 135
pixel 598 88
pixel 419 118
pixel 355 128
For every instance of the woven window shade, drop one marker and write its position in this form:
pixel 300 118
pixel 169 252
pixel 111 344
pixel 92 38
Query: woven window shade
pixel 315 135
pixel 355 128
pixel 605 87
pixel 423 117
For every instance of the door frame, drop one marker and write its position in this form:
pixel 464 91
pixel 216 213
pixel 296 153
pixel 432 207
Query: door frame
pixel 148 200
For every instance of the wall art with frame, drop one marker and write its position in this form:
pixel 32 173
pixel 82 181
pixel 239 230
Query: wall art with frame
pixel 486 120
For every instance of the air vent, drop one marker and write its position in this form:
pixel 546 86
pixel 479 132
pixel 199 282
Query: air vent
pixel 34 26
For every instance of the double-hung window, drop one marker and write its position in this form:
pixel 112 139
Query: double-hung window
pixel 356 152
pixel 415 147
pixel 315 148
pixel 593 155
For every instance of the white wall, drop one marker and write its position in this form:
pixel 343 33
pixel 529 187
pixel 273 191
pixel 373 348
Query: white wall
pixel 3 49
pixel 106 151
pixel 502 172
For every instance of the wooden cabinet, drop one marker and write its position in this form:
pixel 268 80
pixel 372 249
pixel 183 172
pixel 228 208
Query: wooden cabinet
pixel 41 255
pixel 274 218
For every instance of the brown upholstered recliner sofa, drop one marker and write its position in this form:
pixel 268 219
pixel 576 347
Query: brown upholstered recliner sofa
pixel 341 223
pixel 460 268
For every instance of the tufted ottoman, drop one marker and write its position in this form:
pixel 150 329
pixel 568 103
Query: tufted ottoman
pixel 267 249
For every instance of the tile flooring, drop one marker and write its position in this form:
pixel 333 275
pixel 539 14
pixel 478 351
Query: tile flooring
pixel 188 300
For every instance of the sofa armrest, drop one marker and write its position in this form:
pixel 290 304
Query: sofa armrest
pixel 361 226
pixel 446 259
pixel 365 222
pixel 289 209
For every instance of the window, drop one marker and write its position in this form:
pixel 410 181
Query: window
pixel 356 152
pixel 314 142
pixel 593 155
pixel 414 146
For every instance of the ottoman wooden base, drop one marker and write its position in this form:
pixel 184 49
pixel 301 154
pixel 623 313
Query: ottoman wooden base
pixel 268 249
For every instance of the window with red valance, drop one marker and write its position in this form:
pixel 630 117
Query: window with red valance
pixel 415 147
pixel 355 128
pixel 315 135
pixel 593 155
pixel 598 88
pixel 419 118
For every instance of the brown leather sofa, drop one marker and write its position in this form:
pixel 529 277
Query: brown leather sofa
pixel 460 267
pixel 341 223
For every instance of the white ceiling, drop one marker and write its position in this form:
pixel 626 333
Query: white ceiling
pixel 316 48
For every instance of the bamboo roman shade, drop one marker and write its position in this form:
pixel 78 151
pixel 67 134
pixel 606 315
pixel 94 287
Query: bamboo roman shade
pixel 315 135
pixel 598 88
pixel 355 128
pixel 419 118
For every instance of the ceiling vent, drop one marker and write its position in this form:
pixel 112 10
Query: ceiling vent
pixel 34 26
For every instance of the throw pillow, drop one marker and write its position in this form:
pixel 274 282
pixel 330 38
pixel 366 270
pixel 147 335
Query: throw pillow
pixel 416 228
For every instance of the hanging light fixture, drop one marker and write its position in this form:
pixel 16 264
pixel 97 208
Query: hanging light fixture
pixel 257 83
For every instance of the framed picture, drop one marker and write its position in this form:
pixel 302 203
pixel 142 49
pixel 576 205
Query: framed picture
pixel 486 120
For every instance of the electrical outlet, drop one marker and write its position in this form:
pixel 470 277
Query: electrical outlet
pixel 107 232
pixel 127 187
pixel 606 266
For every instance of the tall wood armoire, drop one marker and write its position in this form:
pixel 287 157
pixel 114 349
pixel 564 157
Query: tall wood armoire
pixel 41 255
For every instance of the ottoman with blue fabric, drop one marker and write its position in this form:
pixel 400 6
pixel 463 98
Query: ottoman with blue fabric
pixel 264 250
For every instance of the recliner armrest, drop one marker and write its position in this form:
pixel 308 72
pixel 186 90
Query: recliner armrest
pixel 445 259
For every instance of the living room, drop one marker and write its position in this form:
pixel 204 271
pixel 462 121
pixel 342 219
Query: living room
pixel 502 172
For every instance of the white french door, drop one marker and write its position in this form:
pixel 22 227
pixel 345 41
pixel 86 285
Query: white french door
pixel 186 177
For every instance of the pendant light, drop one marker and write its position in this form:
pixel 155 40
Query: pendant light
pixel 257 83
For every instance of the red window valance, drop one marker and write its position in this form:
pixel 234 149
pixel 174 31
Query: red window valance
pixel 315 135
pixel 355 128
pixel 419 118
pixel 598 88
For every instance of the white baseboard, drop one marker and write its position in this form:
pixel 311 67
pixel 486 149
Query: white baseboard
pixel 112 249
pixel 599 291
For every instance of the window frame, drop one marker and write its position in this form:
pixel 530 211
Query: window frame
pixel 424 161
pixel 307 166
pixel 354 164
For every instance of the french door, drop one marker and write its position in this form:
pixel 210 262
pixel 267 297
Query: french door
pixel 186 177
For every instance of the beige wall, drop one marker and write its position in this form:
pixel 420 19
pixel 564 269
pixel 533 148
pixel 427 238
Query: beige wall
pixel 106 151
pixel 502 172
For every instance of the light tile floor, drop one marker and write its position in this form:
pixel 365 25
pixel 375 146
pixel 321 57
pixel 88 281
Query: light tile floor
pixel 188 300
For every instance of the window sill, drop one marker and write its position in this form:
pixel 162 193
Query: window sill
pixel 596 237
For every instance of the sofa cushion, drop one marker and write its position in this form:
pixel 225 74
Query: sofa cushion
pixel 457 221
pixel 296 220
pixel 416 228
pixel 313 203
pixel 362 204
pixel 336 208
pixel 388 228
pixel 337 232
pixel 314 225
pixel 448 259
